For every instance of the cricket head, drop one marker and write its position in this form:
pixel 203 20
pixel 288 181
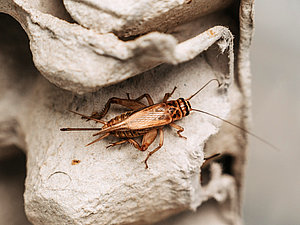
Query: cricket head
pixel 182 107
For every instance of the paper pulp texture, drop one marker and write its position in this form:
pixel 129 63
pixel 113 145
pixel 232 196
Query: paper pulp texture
pixel 85 52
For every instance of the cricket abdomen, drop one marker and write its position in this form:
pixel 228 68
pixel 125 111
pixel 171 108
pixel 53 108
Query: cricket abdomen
pixel 130 133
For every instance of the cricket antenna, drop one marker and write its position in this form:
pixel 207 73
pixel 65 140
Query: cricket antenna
pixel 241 128
pixel 219 84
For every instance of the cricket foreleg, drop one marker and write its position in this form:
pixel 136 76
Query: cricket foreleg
pixel 161 141
pixel 179 129
pixel 168 95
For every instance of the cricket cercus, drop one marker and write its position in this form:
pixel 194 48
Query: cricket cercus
pixel 145 121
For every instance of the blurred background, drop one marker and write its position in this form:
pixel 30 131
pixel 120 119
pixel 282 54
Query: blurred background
pixel 272 185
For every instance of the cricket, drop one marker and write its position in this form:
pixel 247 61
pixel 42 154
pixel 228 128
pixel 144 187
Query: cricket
pixel 147 121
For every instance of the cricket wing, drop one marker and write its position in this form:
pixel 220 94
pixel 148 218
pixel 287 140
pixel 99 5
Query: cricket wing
pixel 153 116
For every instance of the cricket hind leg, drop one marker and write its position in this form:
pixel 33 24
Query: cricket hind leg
pixel 131 141
pixel 117 143
pixel 179 129
pixel 148 139
pixel 161 142
pixel 128 103
pixel 88 117
pixel 147 96
pixel 132 104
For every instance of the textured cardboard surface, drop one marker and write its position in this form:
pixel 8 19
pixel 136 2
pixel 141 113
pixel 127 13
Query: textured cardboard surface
pixel 109 183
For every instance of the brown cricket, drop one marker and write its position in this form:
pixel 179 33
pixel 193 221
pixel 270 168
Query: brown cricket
pixel 145 121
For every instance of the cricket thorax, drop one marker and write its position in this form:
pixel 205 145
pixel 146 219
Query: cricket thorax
pixel 179 108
